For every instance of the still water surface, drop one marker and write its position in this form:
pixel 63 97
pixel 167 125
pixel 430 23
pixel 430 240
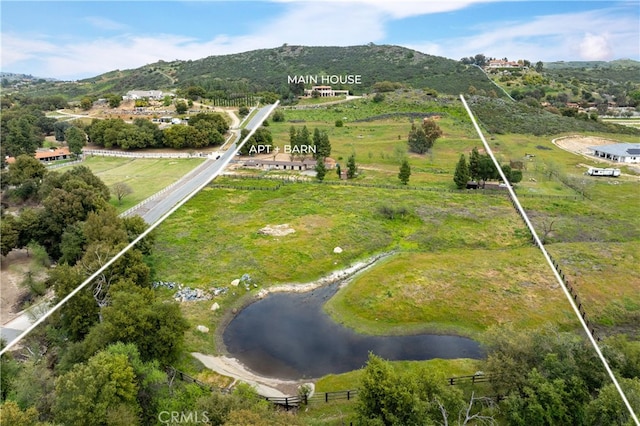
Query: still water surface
pixel 288 335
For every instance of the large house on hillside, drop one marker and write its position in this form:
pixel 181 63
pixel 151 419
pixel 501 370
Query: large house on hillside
pixel 133 95
pixel 619 152
pixel 501 63
pixel 324 92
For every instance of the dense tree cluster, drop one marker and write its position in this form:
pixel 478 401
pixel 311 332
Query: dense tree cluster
pixel 204 129
pixel 262 136
pixel 23 127
pixel 544 377
pixel 481 168
pixel 107 343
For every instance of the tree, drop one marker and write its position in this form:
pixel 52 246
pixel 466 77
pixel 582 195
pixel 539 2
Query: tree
pixel 432 131
pixel 506 170
pixel 10 234
pixel 26 168
pixel 405 172
pixel 59 129
pixel 243 111
pixel 321 169
pixel 322 144
pixel 150 380
pixel 474 164
pixel 548 401
pixel 461 175
pixel 608 408
pixel 11 414
pixel 178 137
pixel 21 137
pixel 216 119
pixel 86 103
pixel 378 97
pixel 121 190
pixel 516 176
pixel 194 92
pixel 262 136
pixel 34 386
pixel 418 140
pixel 181 107
pixel 86 394
pixel 390 397
pixel 278 116
pixel 154 326
pixel 114 100
pixel 80 312
pixel 480 60
pixel 487 169
pixel 76 139
pixel 352 168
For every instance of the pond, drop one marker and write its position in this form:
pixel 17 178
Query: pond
pixel 288 335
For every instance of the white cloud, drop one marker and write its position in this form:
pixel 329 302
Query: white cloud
pixel 323 23
pixel 16 48
pixel 547 38
pixel 596 47
pixel 105 23
pixel 394 9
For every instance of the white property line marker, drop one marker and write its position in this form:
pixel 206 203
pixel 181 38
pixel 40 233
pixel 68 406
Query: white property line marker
pixel 130 246
pixel 550 262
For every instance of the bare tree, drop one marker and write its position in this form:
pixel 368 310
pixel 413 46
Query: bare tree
pixel 547 229
pixel 120 190
pixel 96 256
pixel 465 417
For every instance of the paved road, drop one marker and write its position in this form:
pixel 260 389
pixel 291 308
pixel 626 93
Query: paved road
pixel 154 209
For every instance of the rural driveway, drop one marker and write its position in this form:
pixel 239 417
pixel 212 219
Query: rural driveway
pixel 157 205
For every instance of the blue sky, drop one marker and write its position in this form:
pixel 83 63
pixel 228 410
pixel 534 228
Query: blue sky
pixel 78 39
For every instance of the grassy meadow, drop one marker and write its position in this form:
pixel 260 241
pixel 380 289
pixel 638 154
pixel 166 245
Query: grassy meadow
pixel 145 176
pixel 463 260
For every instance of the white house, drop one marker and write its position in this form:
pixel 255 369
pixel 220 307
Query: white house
pixel 324 92
pixel 619 152
pixel 132 95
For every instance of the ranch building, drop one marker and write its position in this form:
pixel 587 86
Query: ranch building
pixel 619 152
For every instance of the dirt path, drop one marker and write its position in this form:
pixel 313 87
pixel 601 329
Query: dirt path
pixel 579 145
pixel 12 272
pixel 265 386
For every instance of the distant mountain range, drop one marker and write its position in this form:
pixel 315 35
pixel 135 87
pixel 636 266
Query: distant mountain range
pixel 11 77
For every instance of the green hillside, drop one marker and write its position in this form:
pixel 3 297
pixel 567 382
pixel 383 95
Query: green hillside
pixel 268 70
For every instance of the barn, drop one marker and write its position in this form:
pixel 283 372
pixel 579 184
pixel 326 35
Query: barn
pixel 619 152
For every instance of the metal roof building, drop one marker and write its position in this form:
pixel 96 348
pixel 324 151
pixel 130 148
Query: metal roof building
pixel 620 152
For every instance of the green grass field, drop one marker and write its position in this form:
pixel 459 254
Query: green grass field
pixel 144 176
pixel 464 261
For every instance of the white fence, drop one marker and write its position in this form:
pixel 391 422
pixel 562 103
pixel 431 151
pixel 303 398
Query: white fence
pixel 109 153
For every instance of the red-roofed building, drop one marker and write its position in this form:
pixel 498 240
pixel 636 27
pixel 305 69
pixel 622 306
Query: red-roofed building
pixel 46 155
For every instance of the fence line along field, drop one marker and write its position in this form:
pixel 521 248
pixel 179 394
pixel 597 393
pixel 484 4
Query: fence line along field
pixel 144 176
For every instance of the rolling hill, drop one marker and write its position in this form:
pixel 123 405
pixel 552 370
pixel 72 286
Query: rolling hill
pixel 268 70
